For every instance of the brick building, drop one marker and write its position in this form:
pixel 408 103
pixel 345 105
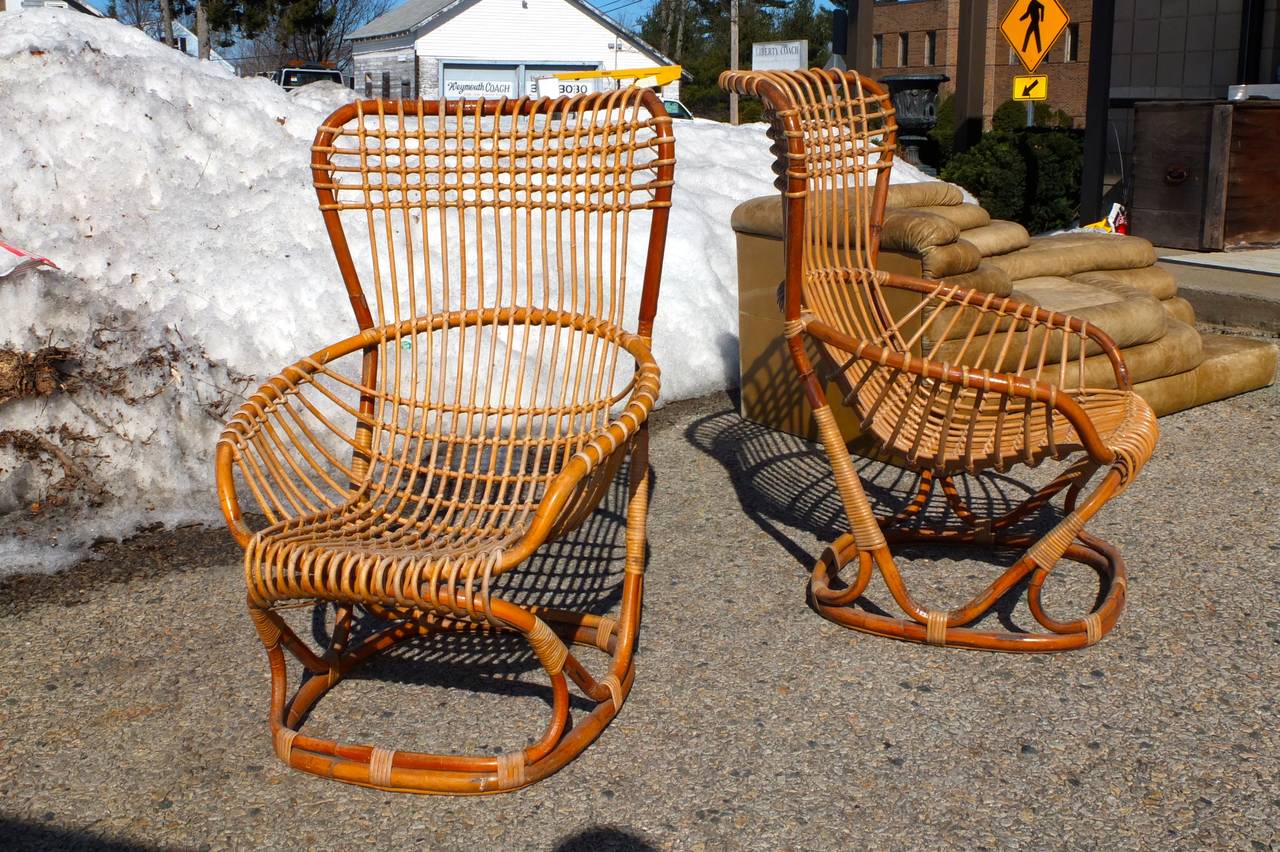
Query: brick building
pixel 919 37
pixel 1171 50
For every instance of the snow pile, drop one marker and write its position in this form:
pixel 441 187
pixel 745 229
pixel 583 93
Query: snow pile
pixel 177 202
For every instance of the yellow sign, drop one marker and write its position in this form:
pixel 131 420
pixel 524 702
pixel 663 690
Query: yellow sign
pixel 1031 87
pixel 1031 27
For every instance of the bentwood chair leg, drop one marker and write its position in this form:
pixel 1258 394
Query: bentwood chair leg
pixel 953 627
pixel 633 576
pixel 549 632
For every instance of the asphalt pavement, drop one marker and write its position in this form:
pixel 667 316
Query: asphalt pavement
pixel 133 689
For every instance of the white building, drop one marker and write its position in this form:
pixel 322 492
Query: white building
pixel 77 5
pixel 186 42
pixel 494 48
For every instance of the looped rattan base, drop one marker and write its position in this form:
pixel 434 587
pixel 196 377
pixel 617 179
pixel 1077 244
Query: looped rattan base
pixel 449 774
pixel 838 604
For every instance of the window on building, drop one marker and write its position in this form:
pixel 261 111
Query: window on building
pixel 904 49
pixel 1072 43
pixel 931 47
pixel 877 51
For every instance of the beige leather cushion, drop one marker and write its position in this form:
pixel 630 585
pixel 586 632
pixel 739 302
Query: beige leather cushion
pixel 942 206
pixel 915 230
pixel 963 216
pixel 1179 309
pixel 1070 254
pixel 1171 393
pixel 998 237
pixel 1158 282
pixel 761 216
pixel 926 194
pixel 985 279
pixel 1130 318
pixel 1177 351
pixel 1151 280
pixel 1233 365
pixel 945 261
pixel 1230 365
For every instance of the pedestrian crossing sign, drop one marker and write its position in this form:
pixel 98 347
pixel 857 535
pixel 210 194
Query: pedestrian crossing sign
pixel 1031 27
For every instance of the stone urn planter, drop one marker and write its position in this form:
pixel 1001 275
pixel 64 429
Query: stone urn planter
pixel 915 98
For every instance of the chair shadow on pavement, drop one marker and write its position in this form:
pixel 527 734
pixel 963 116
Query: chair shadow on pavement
pixel 602 838
pixel 25 834
pixel 785 485
pixel 581 572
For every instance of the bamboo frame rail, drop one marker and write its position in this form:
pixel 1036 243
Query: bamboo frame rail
pixel 1010 392
pixel 482 410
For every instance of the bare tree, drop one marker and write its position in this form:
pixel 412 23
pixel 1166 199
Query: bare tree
pixel 166 17
pixel 202 29
pixel 262 54
pixel 329 44
pixel 135 13
pixel 680 31
pixel 667 11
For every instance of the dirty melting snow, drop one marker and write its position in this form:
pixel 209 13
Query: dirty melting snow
pixel 177 202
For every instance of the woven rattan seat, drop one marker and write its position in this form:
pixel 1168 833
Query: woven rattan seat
pixel 1010 392
pixel 999 433
pixel 487 404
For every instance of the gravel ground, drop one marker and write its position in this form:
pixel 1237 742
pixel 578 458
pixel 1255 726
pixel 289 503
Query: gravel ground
pixel 133 690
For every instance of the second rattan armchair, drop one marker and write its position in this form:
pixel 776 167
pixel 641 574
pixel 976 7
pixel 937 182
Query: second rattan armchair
pixel 963 382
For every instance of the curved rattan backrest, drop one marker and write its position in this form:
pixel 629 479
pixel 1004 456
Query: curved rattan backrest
pixel 494 282
pixel 542 190
pixel 834 134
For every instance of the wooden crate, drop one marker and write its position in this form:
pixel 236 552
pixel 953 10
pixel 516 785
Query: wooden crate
pixel 1206 173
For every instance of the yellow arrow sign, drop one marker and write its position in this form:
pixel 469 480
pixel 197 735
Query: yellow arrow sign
pixel 1031 27
pixel 1031 87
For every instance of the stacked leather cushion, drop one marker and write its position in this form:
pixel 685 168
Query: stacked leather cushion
pixel 1110 281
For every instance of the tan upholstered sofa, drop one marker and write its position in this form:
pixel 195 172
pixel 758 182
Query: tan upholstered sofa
pixel 929 230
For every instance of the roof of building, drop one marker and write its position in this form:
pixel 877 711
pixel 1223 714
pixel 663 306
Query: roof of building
pixel 415 14
pixel 406 17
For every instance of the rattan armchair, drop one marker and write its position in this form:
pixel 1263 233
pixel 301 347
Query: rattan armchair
pixel 960 383
pixel 487 402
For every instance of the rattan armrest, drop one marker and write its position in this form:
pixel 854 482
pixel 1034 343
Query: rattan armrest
pixel 278 461
pixel 1031 315
pixel 271 446
pixel 611 440
pixel 990 381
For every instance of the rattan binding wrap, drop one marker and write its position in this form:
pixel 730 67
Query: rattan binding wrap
pixel 484 405
pixel 1012 392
